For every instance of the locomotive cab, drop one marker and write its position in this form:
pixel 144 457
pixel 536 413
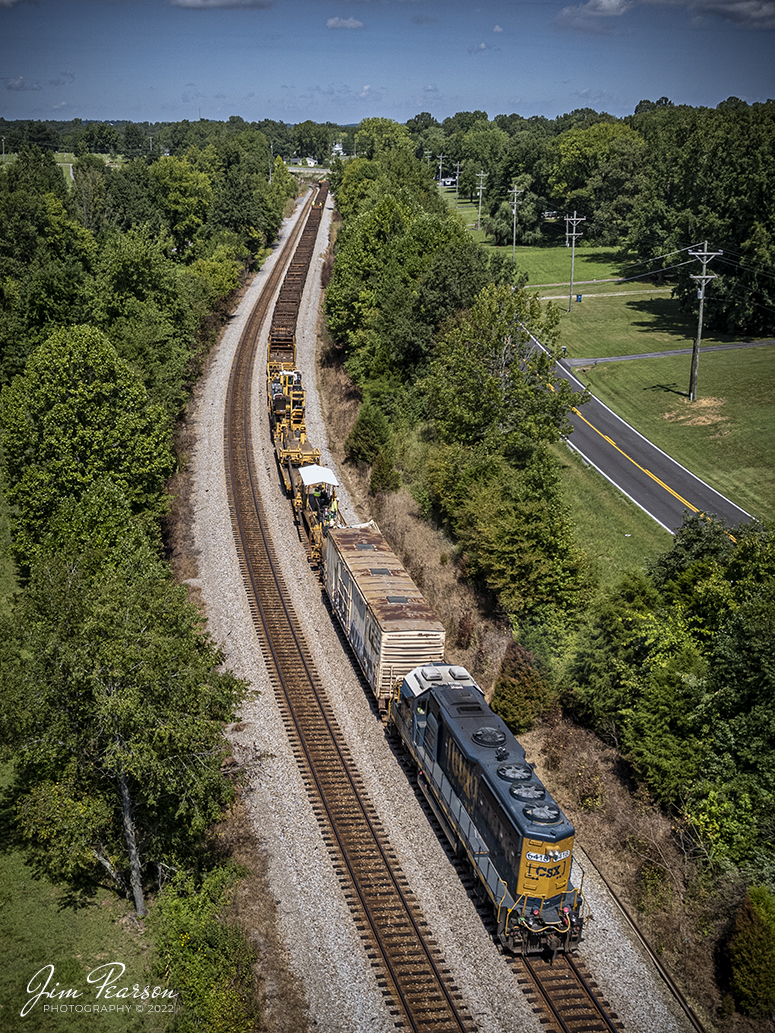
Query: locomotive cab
pixel 492 806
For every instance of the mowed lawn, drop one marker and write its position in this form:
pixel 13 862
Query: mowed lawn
pixel 727 436
pixel 630 324
pixel 42 924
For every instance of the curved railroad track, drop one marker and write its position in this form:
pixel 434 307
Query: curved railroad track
pixel 409 968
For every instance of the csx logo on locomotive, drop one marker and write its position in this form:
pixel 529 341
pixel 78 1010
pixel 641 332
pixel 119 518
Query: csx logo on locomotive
pixel 541 872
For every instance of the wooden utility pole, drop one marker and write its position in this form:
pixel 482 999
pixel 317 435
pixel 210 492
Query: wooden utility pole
pixel 705 257
pixel 514 191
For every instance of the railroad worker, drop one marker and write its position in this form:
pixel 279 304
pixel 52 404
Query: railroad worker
pixel 334 509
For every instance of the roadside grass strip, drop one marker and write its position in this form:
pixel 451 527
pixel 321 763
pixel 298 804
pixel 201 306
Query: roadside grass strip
pixel 615 534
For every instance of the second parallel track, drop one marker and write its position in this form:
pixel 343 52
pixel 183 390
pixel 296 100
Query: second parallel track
pixel 410 969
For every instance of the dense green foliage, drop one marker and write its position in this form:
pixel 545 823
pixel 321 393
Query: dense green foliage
pixel 751 953
pixel 675 667
pixel 145 250
pixel 204 960
pixel 79 415
pixel 112 702
pixel 113 696
pixel 521 695
pixel 438 335
pixel 658 182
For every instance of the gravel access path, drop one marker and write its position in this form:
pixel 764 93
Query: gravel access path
pixel 314 922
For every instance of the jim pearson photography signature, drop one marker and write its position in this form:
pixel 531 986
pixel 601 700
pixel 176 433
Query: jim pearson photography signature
pixel 106 987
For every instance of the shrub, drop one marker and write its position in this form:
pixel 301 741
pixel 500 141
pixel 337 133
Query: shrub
pixel 521 694
pixel 369 437
pixel 204 959
pixel 751 953
pixel 383 476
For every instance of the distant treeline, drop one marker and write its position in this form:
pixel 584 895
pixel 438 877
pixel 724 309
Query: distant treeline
pixel 653 184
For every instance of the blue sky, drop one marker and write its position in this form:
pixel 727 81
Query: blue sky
pixel 344 60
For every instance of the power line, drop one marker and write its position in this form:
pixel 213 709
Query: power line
pixel 747 268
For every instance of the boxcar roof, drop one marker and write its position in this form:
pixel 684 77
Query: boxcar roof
pixel 394 599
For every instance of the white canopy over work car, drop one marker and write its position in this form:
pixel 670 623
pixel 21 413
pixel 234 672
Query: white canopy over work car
pixel 314 474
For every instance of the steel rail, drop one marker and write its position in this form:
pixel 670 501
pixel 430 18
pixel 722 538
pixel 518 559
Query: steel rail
pixel 586 1014
pixel 284 667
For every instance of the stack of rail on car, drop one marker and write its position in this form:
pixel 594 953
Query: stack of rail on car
pixel 486 796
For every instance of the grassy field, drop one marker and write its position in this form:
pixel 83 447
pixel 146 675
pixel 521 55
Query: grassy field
pixel 630 324
pixel 727 436
pixel 41 926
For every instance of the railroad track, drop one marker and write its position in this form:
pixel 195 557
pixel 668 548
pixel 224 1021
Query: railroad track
pixel 564 995
pixel 409 968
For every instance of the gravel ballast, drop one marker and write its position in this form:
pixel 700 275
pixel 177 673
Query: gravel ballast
pixel 313 919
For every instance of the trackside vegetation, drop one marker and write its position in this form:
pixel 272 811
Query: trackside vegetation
pixel 114 698
pixel 667 662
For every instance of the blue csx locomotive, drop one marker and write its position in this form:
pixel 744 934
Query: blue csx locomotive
pixel 492 806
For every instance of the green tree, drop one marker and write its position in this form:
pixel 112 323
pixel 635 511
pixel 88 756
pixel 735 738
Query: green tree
pixel 598 171
pixel 184 195
pixel 490 382
pixel 45 259
pixel 520 694
pixel 109 660
pixel 376 136
pixel 751 953
pixel 37 172
pixel 369 437
pixel 90 193
pixel 79 414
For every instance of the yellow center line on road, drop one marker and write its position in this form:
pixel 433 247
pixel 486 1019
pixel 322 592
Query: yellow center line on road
pixel 648 473
pixel 643 469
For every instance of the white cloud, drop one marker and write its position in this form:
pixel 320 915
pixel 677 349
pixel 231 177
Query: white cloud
pixel 20 84
pixel 477 50
pixel 497 29
pixel 755 14
pixel 344 23
pixel 594 16
pixel 8 3
pixel 208 5
pixel 599 16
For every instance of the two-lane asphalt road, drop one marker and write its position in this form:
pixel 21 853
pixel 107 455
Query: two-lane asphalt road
pixel 660 486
